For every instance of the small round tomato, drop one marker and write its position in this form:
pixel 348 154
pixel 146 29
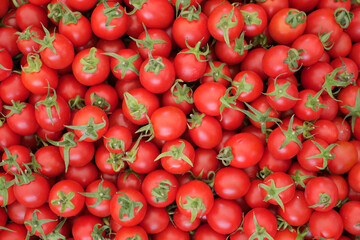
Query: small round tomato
pixel 321 194
pixel 231 183
pixel 168 123
pixel 159 188
pixel 90 123
pixel 65 199
pixel 128 207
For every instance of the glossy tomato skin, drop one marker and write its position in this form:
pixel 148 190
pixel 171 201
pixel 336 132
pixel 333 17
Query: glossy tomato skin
pixel 78 33
pixel 152 181
pixel 171 232
pixel 281 31
pixel 168 123
pixel 178 165
pixel 131 232
pixel 264 218
pixel 84 225
pixel 33 194
pixel 103 209
pixel 109 30
pixel 86 115
pixel 247 150
pixel 201 135
pixel 274 64
pixel 190 31
pixel 316 188
pixel 12 88
pixel 321 224
pixel 206 232
pixel 67 187
pixel 184 223
pixel 296 212
pixel 231 183
pixel 207 98
pixel 50 160
pixel 225 216
pixel 18 232
pixel 349 213
pixel 194 189
pixel 156 220
pixel 145 97
pixel 90 75
pixel 215 16
pixel 156 14
pixel 139 208
pixel 254 29
pixel 9 191
pixel 144 158
pixel 42 212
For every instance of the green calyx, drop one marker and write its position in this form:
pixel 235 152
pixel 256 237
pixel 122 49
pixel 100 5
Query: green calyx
pixel 195 205
pixel 299 178
pixel 115 144
pixel 56 233
pixel 216 72
pixel 314 102
pixel 111 13
pixel 272 192
pixel 240 46
pixel 229 101
pixel 290 134
pixel 89 130
pixel 226 23
pixel 325 40
pixel 281 91
pixel 70 16
pixel 116 161
pixel 36 225
pixel 124 64
pixel 354 112
pixel 225 156
pixel 191 13
pixel 25 177
pixel 251 18
pixel 196 51
pixel 67 142
pixel 10 160
pixel 343 17
pixel 176 153
pixel 100 195
pixel 295 17
pixel 137 4
pixel 147 130
pixel 324 201
pixel 137 110
pixel 34 63
pixel 49 102
pixel 100 102
pixel 293 58
pixel 154 65
pixel 16 108
pixel 195 119
pixel 90 62
pixel 261 40
pixel 325 154
pixel 47 42
pixel 331 82
pixel 160 193
pixel 64 200
pixel 345 77
pixel 260 232
pixel 26 35
pixel 56 12
pixel 128 207
pixel 76 103
pixel 185 4
pixel 130 156
pixel 97 232
pixel 181 92
pixel 147 43
pixel 261 117
pixel 135 237
pixel 4 186
pixel 263 173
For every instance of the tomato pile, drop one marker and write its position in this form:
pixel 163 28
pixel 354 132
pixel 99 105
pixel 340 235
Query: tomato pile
pixel 179 120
